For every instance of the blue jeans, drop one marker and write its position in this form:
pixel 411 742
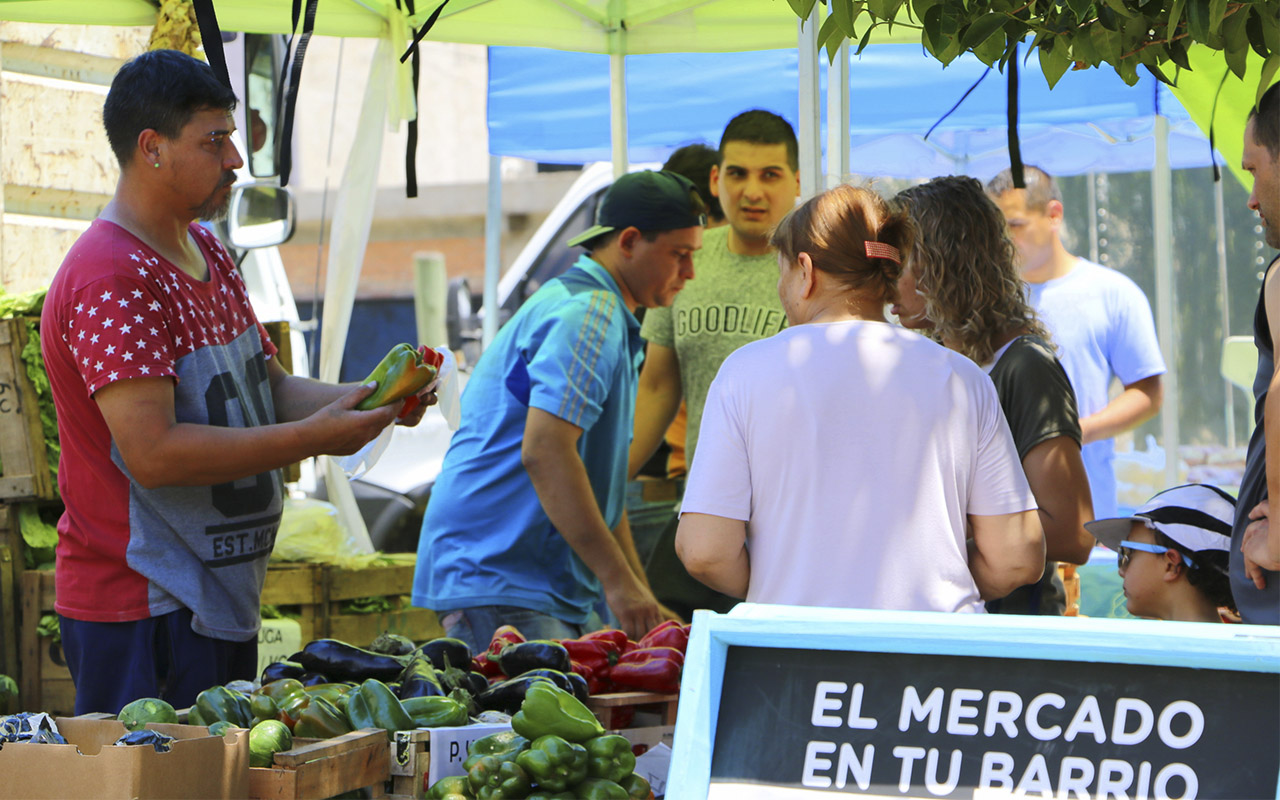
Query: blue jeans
pixel 476 625
pixel 115 663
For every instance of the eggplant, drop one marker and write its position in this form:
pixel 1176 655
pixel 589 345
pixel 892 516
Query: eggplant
pixel 313 678
pixel 419 679
pixel 580 689
pixel 346 662
pixel 562 680
pixel 509 694
pixel 445 652
pixel 392 644
pixel 282 669
pixel 517 659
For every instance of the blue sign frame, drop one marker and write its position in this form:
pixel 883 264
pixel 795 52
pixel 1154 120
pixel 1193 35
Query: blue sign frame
pixel 1237 648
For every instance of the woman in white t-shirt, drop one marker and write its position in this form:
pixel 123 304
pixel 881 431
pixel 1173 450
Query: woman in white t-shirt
pixel 963 284
pixel 848 462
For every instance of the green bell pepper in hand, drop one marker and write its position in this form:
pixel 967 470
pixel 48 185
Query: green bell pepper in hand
pixel 452 788
pixel 401 373
pixel 553 763
pixel 637 788
pixel 374 705
pixel 547 710
pixel 492 779
pixel 599 789
pixel 610 757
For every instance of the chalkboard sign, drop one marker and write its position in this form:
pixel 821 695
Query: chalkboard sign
pixel 812 702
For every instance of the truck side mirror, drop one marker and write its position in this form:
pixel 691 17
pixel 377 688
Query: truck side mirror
pixel 264 56
pixel 262 215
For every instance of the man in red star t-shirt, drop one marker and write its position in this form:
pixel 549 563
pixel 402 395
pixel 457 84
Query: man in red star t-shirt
pixel 173 413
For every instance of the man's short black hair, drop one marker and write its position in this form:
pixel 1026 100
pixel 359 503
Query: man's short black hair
pixel 161 90
pixel 1266 120
pixel 1041 188
pixel 694 161
pixel 758 126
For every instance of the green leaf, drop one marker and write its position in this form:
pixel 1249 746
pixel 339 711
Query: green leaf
pixel 1052 63
pixel 990 51
pixel 1270 30
pixel 1120 8
pixel 1198 21
pixel 1217 11
pixel 982 29
pixel 1175 16
pixel 1106 44
pixel 802 8
pixel 933 30
pixel 1128 70
pixel 1178 54
pixel 831 37
pixel 1235 43
pixel 1082 48
pixel 866 39
pixel 1155 70
pixel 1269 68
pixel 1081 8
pixel 1253 30
pixel 842 13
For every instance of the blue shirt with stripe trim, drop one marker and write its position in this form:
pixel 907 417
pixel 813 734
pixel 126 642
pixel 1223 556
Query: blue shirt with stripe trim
pixel 572 350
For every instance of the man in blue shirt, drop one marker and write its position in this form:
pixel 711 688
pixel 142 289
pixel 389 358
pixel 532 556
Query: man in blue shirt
pixel 525 526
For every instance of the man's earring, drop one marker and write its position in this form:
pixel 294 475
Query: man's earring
pixel 157 165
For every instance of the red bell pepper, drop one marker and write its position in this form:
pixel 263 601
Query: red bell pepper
pixel 595 653
pixel 668 634
pixel 652 669
pixel 431 358
pixel 614 635
pixel 485 667
pixel 597 679
pixel 507 634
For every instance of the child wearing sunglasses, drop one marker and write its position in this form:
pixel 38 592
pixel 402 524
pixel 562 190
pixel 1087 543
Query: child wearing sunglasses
pixel 1173 553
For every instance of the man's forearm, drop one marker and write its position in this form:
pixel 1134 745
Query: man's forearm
pixel 1271 425
pixel 297 398
pixel 1138 403
pixel 226 454
pixel 627 543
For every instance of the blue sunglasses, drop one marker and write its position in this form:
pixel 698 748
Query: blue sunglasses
pixel 1126 546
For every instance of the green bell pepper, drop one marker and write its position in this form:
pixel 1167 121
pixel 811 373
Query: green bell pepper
pixel 401 372
pixel 436 712
pixel 600 789
pixel 505 746
pixel 374 705
pixel 610 757
pixel 553 763
pixel 194 717
pixel 492 779
pixel 637 788
pixel 541 795
pixel 321 719
pixel 220 703
pixel 453 788
pixel 547 710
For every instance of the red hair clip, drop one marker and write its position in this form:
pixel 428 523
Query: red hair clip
pixel 882 250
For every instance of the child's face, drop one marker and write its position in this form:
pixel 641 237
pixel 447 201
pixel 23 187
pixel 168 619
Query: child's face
pixel 1144 582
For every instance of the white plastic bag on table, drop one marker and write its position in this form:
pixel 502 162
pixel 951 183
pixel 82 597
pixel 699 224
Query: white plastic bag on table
pixel 446 389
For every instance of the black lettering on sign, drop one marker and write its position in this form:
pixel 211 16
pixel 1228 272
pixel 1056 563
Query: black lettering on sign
pixel 251 495
pixel 9 402
pixel 929 725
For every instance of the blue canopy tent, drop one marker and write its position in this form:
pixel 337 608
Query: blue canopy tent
pixel 554 106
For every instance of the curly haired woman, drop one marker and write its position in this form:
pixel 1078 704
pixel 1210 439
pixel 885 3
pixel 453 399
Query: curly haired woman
pixel 963 283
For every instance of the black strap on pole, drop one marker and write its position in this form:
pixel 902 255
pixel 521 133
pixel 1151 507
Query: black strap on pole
pixel 291 90
pixel 411 139
pixel 1213 114
pixel 1015 147
pixel 211 38
pixel 963 97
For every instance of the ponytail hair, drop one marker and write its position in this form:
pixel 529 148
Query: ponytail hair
pixel 835 229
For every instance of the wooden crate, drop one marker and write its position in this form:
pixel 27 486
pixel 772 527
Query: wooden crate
pixel 301 590
pixel 610 707
pixel 23 456
pixel 44 682
pixel 394 581
pixel 10 598
pixel 319 768
pixel 411 755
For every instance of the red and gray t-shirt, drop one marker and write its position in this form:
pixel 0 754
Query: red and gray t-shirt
pixel 118 311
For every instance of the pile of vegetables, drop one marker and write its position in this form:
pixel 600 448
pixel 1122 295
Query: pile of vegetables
pixel 556 749
pixel 605 660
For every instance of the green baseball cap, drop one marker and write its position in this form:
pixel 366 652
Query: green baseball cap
pixel 649 201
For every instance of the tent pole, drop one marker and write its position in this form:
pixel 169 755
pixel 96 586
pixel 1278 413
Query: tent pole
pixel 810 147
pixel 838 117
pixel 1220 215
pixel 492 250
pixel 1093 216
pixel 1162 225
pixel 618 112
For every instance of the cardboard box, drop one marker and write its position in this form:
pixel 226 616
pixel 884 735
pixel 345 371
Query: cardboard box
pixel 197 765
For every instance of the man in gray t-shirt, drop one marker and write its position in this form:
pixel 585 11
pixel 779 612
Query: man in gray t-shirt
pixel 732 300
